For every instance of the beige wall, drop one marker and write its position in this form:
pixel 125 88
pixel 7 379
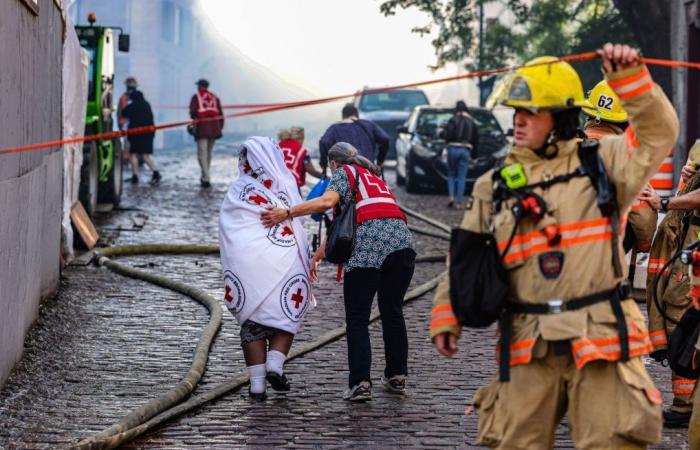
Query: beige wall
pixel 31 182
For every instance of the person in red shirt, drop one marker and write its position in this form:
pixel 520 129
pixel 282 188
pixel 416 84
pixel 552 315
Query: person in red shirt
pixel 296 156
pixel 206 105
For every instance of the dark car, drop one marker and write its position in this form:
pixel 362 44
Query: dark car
pixel 419 149
pixel 389 109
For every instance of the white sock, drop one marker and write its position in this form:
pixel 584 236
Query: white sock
pixel 257 378
pixel 275 361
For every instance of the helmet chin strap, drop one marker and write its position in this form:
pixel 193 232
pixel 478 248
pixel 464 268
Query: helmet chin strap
pixel 550 149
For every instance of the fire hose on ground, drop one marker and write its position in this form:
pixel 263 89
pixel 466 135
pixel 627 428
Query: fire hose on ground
pixel 171 404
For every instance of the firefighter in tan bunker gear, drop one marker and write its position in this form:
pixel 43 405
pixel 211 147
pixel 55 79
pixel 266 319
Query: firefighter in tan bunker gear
pixel 694 426
pixel 678 229
pixel 607 117
pixel 569 360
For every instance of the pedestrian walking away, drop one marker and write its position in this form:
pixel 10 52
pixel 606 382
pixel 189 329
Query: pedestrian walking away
pixel 382 263
pixel 370 140
pixel 131 85
pixel 572 338
pixel 139 114
pixel 462 137
pixel 296 156
pixel 266 272
pixel 207 106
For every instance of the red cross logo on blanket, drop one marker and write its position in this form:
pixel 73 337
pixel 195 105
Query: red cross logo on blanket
pixel 294 298
pixel 282 235
pixel 297 298
pixel 253 194
pixel 234 293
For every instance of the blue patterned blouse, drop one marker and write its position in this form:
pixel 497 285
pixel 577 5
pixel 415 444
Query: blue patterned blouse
pixel 375 239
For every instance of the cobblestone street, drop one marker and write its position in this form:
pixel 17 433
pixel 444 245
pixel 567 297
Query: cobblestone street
pixel 105 344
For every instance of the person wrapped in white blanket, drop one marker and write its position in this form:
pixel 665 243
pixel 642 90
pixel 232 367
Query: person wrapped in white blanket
pixel 265 270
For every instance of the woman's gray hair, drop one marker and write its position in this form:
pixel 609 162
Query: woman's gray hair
pixel 344 153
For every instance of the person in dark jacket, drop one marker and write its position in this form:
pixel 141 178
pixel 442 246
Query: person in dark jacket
pixel 139 114
pixel 207 106
pixel 367 137
pixel 461 137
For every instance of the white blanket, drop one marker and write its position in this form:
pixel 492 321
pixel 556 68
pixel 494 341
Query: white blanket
pixel 265 270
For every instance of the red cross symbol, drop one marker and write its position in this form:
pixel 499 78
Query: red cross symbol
pixel 286 231
pixel 381 187
pixel 297 298
pixel 257 199
pixel 227 296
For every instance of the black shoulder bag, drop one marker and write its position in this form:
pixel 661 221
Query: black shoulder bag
pixel 341 234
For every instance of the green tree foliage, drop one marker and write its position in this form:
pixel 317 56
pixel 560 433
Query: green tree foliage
pixel 542 27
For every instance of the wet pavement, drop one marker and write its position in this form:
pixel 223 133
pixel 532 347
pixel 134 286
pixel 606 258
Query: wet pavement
pixel 106 344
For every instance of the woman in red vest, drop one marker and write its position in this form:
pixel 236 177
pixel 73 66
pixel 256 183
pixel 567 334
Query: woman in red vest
pixel 382 263
pixel 296 156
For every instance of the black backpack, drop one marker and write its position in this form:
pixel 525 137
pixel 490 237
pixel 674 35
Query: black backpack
pixel 478 280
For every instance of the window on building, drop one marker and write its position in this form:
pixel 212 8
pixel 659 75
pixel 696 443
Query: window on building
pixel 171 22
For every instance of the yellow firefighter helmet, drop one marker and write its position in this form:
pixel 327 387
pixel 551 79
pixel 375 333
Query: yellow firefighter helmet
pixel 538 86
pixel 604 104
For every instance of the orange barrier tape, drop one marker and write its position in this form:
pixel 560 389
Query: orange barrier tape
pixel 262 108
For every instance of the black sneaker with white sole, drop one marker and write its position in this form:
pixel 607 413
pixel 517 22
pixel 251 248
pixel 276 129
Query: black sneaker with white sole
pixel 361 392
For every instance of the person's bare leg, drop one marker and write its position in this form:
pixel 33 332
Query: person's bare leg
pixel 150 162
pixel 134 159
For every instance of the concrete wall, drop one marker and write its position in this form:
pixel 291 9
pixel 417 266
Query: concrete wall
pixel 31 183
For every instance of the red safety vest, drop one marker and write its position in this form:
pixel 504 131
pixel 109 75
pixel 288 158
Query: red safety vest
pixel 294 155
pixel 207 104
pixel 374 198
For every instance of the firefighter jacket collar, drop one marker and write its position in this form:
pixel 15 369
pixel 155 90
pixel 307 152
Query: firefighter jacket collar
pixel 527 155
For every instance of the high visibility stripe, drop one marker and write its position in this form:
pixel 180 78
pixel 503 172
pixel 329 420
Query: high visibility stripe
pixel 520 351
pixel 445 307
pixel 683 382
pixel 597 134
pixel 658 338
pixel 639 206
pixel 586 350
pixel 683 392
pixel 441 322
pixel 563 228
pixel 633 85
pixel 536 249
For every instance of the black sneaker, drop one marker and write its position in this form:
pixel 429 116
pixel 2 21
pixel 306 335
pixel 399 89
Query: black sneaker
pixel 675 419
pixel 155 179
pixel 258 397
pixel 134 179
pixel 395 384
pixel 277 381
pixel 206 184
pixel 361 392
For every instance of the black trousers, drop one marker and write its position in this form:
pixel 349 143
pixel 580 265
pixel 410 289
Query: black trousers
pixel 390 282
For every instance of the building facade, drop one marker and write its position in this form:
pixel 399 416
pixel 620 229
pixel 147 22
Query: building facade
pixel 31 32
